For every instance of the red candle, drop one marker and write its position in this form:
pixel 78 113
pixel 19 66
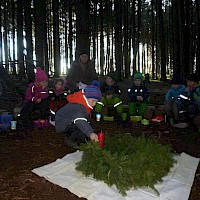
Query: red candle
pixel 101 138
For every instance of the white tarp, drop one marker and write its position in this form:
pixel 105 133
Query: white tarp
pixel 176 185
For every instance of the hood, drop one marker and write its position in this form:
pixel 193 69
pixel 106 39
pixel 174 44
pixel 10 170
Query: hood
pixel 79 98
pixel 64 82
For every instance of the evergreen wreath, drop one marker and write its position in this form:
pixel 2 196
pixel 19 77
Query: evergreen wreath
pixel 126 161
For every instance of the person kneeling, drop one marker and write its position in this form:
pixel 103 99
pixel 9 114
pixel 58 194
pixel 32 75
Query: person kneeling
pixel 72 118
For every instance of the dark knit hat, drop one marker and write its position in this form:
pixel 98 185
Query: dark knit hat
pixel 177 80
pixel 84 51
pixel 40 75
pixel 93 90
pixel 112 75
pixel 138 75
pixel 193 77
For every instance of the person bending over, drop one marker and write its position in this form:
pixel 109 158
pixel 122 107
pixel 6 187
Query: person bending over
pixel 72 118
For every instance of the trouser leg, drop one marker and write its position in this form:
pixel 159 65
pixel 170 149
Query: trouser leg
pixel 142 107
pixel 118 108
pixel 132 109
pixel 74 135
pixel 43 107
pixel 25 115
pixel 175 111
pixel 98 107
pixel 168 107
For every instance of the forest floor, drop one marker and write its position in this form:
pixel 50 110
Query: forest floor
pixel 19 155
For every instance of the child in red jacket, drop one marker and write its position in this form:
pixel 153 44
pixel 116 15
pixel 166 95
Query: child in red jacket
pixel 36 98
pixel 57 97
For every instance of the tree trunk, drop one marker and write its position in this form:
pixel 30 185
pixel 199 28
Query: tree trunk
pixel 108 25
pixel 94 32
pixel 112 50
pixel 1 39
pixel 176 42
pixel 138 32
pixel 157 46
pixel 20 45
pixel 40 32
pixel 133 36
pixel 13 37
pixel 171 46
pixel 56 39
pixel 198 39
pixel 101 39
pixel 49 26
pixel 193 37
pixel 5 36
pixel 82 26
pixel 126 46
pixel 70 38
pixel 118 38
pixel 162 40
pixel 143 60
pixel 181 15
pixel 153 38
pixel 29 43
pixel 187 38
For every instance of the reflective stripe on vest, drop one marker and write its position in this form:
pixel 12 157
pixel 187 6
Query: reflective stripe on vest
pixel 117 104
pixel 84 119
pixel 101 103
pixel 184 97
pixel 52 112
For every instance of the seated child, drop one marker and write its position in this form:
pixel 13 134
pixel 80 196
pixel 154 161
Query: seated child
pixel 173 102
pixel 71 119
pixel 36 98
pixel 110 102
pixel 57 96
pixel 137 96
pixel 193 89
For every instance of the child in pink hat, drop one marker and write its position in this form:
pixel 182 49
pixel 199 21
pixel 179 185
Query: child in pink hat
pixel 36 99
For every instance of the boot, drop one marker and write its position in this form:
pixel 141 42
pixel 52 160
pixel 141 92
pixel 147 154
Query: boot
pixel 70 143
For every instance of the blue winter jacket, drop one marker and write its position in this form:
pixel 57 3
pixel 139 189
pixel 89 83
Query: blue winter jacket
pixel 175 93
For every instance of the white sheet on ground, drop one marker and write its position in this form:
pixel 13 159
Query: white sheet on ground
pixel 176 185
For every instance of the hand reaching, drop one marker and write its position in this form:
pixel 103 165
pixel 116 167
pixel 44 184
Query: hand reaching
pixel 140 98
pixel 94 136
pixel 109 96
pixel 37 100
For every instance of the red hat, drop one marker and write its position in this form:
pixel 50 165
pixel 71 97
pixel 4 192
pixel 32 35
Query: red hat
pixel 40 75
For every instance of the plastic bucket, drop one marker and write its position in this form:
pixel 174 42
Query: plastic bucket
pixel 5 120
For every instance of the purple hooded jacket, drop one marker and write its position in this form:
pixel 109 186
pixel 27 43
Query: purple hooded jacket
pixel 33 93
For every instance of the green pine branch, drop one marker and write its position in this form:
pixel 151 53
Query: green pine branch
pixel 126 161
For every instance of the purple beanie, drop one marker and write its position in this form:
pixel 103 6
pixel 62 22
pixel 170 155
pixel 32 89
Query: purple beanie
pixel 93 91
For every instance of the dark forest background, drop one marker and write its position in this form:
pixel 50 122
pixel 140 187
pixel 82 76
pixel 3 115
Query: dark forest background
pixel 159 37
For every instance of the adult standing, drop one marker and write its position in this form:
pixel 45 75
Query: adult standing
pixel 82 72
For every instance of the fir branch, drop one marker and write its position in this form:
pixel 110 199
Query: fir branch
pixel 126 161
